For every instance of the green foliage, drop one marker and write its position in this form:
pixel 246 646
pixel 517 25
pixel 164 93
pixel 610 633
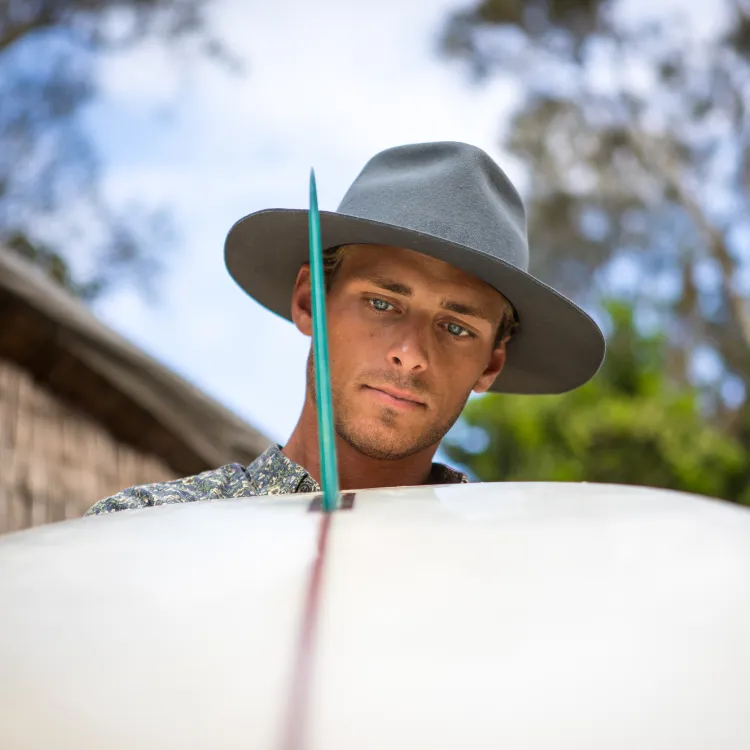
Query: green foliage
pixel 628 425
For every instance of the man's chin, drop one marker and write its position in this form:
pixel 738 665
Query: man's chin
pixel 384 443
pixel 378 450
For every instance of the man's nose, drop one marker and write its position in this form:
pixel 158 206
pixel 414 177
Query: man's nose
pixel 409 351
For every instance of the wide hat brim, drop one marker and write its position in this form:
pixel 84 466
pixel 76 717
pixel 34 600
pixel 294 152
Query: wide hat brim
pixel 556 347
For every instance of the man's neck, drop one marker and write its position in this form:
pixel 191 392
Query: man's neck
pixel 356 470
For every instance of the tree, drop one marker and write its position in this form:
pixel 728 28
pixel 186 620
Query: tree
pixel 628 425
pixel 636 134
pixel 49 171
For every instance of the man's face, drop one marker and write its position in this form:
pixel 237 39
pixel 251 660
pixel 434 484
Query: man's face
pixel 409 338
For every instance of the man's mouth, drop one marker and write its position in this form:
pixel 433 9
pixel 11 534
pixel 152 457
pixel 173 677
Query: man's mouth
pixel 395 397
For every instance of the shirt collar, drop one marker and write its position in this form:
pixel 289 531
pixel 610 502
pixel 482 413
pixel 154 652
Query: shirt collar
pixel 273 473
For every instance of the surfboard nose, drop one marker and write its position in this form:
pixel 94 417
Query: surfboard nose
pixel 520 616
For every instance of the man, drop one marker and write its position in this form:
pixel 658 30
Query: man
pixel 428 299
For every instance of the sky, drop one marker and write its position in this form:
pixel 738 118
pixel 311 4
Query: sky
pixel 326 85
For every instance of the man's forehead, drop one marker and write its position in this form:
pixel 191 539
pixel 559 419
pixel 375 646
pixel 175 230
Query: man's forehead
pixel 378 259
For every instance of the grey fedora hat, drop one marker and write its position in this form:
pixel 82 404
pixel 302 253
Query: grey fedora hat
pixel 450 201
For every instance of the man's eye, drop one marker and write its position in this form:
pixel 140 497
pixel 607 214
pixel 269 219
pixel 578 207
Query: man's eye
pixel 379 304
pixel 459 331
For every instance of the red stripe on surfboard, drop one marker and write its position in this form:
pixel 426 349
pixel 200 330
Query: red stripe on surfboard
pixel 299 702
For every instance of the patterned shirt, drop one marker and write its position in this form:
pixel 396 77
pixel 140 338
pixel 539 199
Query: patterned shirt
pixel 272 473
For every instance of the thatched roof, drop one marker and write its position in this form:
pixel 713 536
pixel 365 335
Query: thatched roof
pixel 140 401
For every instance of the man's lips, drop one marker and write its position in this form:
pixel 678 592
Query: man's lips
pixel 403 399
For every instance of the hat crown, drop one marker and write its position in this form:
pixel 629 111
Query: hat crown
pixel 449 190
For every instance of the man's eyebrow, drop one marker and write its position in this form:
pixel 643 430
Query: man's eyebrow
pixel 461 309
pixel 389 285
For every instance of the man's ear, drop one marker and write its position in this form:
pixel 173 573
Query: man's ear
pixel 493 369
pixel 302 301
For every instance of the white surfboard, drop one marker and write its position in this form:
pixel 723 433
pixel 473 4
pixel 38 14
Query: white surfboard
pixel 484 616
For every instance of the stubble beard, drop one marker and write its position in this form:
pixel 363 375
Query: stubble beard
pixel 375 443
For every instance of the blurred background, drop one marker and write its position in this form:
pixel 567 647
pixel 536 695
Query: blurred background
pixel 134 133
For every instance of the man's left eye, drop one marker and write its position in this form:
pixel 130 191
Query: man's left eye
pixel 456 330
